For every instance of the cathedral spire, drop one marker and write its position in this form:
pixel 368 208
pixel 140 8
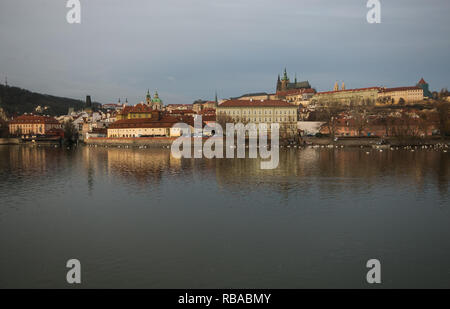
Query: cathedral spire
pixel 285 76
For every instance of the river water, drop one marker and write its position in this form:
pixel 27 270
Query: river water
pixel 141 218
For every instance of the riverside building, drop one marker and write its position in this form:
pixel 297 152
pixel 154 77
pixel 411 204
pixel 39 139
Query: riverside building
pixel 261 111
pixel 33 124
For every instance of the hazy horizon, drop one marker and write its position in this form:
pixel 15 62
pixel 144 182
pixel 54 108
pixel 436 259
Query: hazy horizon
pixel 190 50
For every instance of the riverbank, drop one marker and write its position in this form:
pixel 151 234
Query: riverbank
pixel 311 141
pixel 10 141
pixel 131 141
pixel 374 141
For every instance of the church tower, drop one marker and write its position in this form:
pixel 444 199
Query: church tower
pixel 148 98
pixel 157 102
pixel 336 86
pixel 284 81
pixel 278 83
pixel 343 86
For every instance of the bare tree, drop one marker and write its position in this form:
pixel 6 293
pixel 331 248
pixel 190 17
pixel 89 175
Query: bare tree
pixel 359 119
pixel 3 128
pixel 443 109
pixel 424 123
pixel 70 132
pixel 330 115
pixel 223 119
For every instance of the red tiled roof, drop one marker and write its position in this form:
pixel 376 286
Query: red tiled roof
pixel 422 81
pixel 34 119
pixel 179 105
pixel 400 89
pixel 208 118
pixel 295 91
pixel 256 103
pixel 99 130
pixel 165 122
pixel 182 111
pixel 139 108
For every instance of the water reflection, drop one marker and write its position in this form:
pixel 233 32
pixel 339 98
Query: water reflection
pixel 330 170
pixel 141 218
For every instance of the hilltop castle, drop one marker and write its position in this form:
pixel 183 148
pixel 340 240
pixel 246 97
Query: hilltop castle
pixel 284 83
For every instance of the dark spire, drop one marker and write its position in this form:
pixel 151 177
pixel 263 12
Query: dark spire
pixel 215 98
pixel 285 76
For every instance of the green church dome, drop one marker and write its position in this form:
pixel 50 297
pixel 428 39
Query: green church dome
pixel 156 98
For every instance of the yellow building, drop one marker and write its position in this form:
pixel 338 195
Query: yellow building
pixel 347 97
pixel 137 111
pixel 297 96
pixel 406 95
pixel 144 128
pixel 262 111
pixel 32 124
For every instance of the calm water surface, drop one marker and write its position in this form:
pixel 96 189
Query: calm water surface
pixel 141 218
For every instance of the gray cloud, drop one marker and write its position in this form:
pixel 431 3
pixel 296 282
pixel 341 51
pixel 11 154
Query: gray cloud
pixel 189 49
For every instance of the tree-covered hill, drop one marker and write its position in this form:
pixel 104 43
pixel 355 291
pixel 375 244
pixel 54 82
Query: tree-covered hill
pixel 16 100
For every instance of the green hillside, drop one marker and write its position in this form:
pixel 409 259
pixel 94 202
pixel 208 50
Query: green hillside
pixel 16 100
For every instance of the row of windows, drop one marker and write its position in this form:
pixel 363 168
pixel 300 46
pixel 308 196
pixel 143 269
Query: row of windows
pixel 269 120
pixel 131 135
pixel 28 125
pixel 146 130
pixel 266 112
pixel 141 115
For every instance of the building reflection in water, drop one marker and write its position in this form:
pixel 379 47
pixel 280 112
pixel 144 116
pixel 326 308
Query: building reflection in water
pixel 327 171
pixel 335 170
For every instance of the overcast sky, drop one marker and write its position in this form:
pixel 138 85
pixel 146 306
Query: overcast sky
pixel 188 49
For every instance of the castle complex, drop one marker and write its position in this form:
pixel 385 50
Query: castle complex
pixel 373 95
pixel 284 84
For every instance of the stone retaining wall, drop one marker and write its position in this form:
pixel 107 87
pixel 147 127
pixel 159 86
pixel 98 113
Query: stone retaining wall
pixel 9 141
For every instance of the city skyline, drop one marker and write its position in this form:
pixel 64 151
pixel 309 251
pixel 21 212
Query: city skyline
pixel 187 52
